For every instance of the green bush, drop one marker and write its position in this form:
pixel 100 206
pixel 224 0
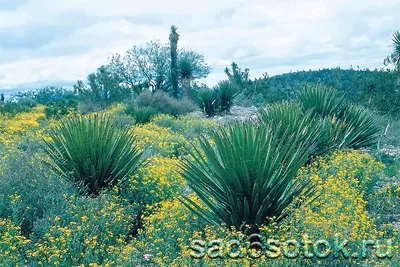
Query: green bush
pixel 245 175
pixel 88 106
pixel 60 109
pixel 90 232
pixel 218 99
pixel 190 125
pixel 162 103
pixel 141 115
pixel 14 108
pixel 29 192
pixel 93 152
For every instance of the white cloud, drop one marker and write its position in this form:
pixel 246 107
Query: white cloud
pixel 359 40
pixel 266 36
pixel 68 68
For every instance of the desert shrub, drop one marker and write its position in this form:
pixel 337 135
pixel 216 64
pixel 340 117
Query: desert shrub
pixel 162 103
pixel 88 106
pixel 154 182
pixel 241 177
pixel 12 244
pixel 156 140
pixel 23 126
pixel 171 224
pixel 29 192
pixel 60 109
pixel 219 99
pixel 284 117
pixel 345 182
pixel 190 125
pixel 91 232
pixel 288 117
pixel 93 152
pixel 13 108
pixel 346 179
pixel 340 208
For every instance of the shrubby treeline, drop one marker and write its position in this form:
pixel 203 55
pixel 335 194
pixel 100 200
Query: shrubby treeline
pixel 157 67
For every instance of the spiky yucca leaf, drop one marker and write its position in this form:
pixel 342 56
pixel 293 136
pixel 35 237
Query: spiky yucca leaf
pixel 93 152
pixel 321 101
pixel 357 128
pixel 247 173
pixel 286 113
pixel 395 56
pixel 288 116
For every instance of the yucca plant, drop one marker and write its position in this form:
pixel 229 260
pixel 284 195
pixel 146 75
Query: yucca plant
pixel 286 113
pixel 93 152
pixel 321 101
pixel 357 128
pixel 246 174
pixel 207 101
pixel 394 58
pixel 346 125
pixel 141 115
pixel 226 92
pixel 289 116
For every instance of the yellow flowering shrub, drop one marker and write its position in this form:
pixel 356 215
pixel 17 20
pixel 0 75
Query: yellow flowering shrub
pixel 160 140
pixel 115 109
pixel 190 125
pixel 158 180
pixel 166 230
pixel 12 244
pixel 342 180
pixel 22 125
pixel 93 231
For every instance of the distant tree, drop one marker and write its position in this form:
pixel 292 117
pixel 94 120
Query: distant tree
pixel 251 92
pixel 191 66
pixel 173 40
pixel 141 66
pixel 394 58
pixel 48 95
pixel 124 69
pixel 103 86
pixel 237 76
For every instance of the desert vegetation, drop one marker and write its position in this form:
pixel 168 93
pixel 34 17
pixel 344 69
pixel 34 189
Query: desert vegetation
pixel 134 167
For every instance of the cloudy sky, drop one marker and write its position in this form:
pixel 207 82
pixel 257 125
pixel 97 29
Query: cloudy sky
pixel 56 42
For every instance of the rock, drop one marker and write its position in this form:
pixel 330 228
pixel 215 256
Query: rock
pixel 237 113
